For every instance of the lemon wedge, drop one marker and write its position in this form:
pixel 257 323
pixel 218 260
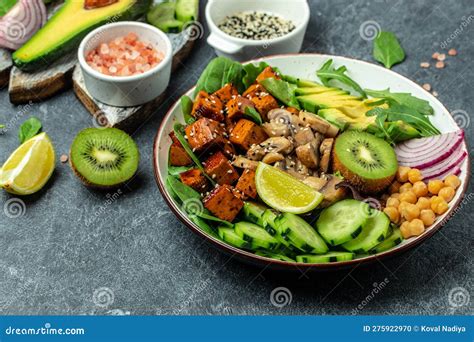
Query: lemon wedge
pixel 29 167
pixel 283 192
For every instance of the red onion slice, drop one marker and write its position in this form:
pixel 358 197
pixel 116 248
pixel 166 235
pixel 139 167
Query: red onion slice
pixel 449 163
pixel 21 22
pixel 425 152
pixel 454 171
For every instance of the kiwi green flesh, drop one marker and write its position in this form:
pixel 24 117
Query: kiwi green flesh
pixel 366 155
pixel 104 157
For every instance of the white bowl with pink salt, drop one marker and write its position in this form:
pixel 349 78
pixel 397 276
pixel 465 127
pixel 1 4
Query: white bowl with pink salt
pixel 126 63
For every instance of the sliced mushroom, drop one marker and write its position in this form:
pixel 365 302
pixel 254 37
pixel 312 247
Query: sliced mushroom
pixel 318 124
pixel 272 158
pixel 315 182
pixel 278 144
pixel 276 129
pixel 331 194
pixel 308 154
pixel 244 163
pixel 302 169
pixel 256 152
pixel 282 116
pixel 304 136
pixel 325 150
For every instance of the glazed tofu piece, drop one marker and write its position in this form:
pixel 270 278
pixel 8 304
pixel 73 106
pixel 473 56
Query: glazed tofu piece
pixel 226 93
pixel 264 103
pixel 236 107
pixel 219 168
pixel 195 179
pixel 223 203
pixel 253 90
pixel 247 133
pixel 268 72
pixel 246 184
pixel 208 106
pixel 178 156
pixel 204 133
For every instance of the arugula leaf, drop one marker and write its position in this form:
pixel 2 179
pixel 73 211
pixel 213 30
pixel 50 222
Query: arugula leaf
pixel 252 114
pixel 218 73
pixel 186 108
pixel 407 115
pixel 178 131
pixel 251 71
pixel 282 90
pixel 6 5
pixel 405 99
pixel 328 73
pixel 387 49
pixel 29 129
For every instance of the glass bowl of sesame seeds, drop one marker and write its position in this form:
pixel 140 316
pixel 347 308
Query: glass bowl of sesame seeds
pixel 125 64
pixel 247 29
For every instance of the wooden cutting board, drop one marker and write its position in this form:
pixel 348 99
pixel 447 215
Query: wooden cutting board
pixel 128 118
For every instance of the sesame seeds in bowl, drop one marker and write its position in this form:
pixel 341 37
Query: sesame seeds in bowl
pixel 256 25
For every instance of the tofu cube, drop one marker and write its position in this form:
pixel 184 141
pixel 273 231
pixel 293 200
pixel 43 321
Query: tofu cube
pixel 226 93
pixel 195 179
pixel 178 155
pixel 219 168
pixel 204 133
pixel 268 72
pixel 264 103
pixel 208 106
pixel 246 133
pixel 236 107
pixel 246 184
pixel 253 90
pixel 223 203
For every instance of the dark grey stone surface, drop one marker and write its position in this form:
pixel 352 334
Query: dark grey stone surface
pixel 78 251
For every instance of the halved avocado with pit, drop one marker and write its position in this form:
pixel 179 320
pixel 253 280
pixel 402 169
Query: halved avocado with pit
pixel 68 26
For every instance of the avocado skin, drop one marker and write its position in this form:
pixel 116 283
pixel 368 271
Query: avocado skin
pixel 43 61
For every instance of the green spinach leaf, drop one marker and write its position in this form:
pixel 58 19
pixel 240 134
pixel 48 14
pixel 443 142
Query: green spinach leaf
pixel 282 90
pixel 253 115
pixel 29 129
pixel 405 99
pixel 387 49
pixel 178 131
pixel 250 73
pixel 186 108
pixel 177 170
pixel 328 73
pixel 6 5
pixel 218 73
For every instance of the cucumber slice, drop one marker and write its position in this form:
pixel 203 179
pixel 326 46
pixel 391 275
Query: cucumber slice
pixel 342 221
pixel 374 231
pixel 162 16
pixel 253 212
pixel 300 234
pixel 395 239
pixel 269 221
pixel 187 10
pixel 256 235
pixel 274 256
pixel 329 257
pixel 228 235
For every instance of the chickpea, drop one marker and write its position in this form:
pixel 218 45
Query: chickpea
pixel 420 189
pixel 439 205
pixel 405 230
pixel 447 193
pixel 408 196
pixel 452 181
pixel 402 206
pixel 402 174
pixel 392 214
pixel 416 227
pixel 405 187
pixel 434 186
pixel 392 202
pixel 428 217
pixel 394 187
pixel 414 175
pixel 395 195
pixel 423 203
pixel 410 212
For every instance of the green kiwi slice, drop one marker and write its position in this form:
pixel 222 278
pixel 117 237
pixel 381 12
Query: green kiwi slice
pixel 104 157
pixel 366 161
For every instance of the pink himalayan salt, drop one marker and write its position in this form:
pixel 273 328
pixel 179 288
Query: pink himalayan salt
pixel 124 56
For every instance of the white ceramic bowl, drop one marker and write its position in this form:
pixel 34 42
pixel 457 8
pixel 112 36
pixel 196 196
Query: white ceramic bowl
pixel 243 49
pixel 304 66
pixel 126 91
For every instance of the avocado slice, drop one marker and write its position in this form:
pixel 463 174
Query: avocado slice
pixel 341 120
pixel 320 90
pixel 68 26
pixel 331 99
pixel 401 131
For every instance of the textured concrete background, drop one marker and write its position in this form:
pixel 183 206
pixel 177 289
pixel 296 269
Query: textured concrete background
pixel 77 251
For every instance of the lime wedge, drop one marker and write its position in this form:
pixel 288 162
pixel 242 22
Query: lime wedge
pixel 284 192
pixel 29 167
